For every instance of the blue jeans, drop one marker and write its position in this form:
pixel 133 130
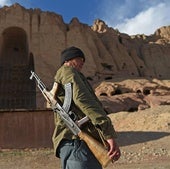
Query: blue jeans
pixel 75 154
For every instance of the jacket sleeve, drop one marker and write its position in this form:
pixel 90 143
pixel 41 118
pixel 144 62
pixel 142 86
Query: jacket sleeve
pixel 88 103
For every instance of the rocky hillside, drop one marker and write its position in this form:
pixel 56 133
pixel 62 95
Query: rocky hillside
pixel 109 53
pixel 138 55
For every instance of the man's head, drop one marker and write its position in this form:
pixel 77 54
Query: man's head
pixel 74 57
pixel 70 53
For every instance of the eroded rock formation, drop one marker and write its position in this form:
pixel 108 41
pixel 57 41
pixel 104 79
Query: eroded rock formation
pixel 36 39
pixel 133 94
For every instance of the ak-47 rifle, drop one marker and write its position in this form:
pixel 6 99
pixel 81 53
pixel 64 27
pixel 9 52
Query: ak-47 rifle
pixel 99 150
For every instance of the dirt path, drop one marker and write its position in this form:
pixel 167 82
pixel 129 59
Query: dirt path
pixel 150 155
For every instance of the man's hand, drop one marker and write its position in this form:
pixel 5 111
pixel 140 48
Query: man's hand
pixel 114 151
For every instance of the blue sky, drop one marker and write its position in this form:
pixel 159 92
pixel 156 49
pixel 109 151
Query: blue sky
pixel 128 16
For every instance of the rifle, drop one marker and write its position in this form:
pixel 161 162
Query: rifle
pixel 99 151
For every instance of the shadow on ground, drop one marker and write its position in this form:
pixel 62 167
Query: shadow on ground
pixel 135 137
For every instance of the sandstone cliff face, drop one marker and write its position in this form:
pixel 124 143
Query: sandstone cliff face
pixel 107 50
pixel 39 37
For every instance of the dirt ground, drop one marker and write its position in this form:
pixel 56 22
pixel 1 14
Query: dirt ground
pixel 143 136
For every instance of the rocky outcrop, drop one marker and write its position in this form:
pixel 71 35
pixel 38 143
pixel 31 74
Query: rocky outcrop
pixel 99 26
pixel 133 94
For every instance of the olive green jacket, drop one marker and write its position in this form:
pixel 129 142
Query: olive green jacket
pixel 85 103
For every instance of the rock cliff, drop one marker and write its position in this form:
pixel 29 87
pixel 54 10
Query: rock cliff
pixel 39 37
pixel 108 51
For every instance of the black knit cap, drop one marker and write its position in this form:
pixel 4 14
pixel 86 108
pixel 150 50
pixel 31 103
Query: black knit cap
pixel 70 53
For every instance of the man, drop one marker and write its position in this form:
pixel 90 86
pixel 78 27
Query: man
pixel 73 152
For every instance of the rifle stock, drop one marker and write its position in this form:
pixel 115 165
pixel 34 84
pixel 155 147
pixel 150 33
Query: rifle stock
pixel 96 148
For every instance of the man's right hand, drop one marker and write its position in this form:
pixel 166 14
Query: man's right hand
pixel 114 151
